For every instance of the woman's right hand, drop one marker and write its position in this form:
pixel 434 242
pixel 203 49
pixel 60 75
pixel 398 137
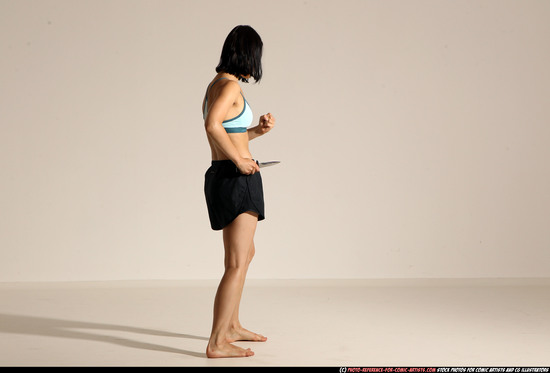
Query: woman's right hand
pixel 247 166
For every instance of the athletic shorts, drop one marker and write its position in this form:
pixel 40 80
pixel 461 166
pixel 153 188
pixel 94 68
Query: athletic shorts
pixel 229 193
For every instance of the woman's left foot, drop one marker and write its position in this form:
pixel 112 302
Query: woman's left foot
pixel 241 334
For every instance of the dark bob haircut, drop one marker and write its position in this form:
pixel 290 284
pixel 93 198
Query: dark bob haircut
pixel 242 54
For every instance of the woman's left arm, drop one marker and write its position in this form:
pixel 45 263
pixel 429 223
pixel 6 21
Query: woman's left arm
pixel 267 122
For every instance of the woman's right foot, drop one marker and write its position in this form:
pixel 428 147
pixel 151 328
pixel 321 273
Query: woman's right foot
pixel 227 350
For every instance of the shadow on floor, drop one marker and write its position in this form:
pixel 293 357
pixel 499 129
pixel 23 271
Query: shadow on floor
pixel 43 326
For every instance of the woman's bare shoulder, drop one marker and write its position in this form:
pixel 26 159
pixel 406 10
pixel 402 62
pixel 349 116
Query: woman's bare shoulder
pixel 226 87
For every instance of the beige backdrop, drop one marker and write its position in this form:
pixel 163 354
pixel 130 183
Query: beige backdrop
pixel 414 138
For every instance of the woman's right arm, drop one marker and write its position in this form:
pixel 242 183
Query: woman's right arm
pixel 214 128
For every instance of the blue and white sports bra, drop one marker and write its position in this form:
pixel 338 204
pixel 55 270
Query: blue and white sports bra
pixel 240 123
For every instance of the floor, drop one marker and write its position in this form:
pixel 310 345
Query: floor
pixel 361 323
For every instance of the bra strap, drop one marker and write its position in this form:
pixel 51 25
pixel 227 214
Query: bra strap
pixel 214 82
pixel 208 89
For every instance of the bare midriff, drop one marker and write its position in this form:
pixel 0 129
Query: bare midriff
pixel 239 140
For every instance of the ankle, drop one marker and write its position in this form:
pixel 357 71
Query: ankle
pixel 235 325
pixel 217 339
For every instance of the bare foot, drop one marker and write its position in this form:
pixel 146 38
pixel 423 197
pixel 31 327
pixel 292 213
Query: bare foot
pixel 241 334
pixel 226 350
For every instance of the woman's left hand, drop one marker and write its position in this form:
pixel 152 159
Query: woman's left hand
pixel 267 122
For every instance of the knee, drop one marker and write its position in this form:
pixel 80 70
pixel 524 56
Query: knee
pixel 234 274
pixel 233 268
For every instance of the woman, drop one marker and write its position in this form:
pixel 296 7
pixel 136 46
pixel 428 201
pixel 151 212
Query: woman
pixel 233 185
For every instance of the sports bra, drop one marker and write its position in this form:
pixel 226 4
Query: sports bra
pixel 238 124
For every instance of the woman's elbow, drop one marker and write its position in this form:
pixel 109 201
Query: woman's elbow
pixel 210 127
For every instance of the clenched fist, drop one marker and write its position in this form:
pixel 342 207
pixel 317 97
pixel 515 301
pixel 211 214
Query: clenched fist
pixel 267 122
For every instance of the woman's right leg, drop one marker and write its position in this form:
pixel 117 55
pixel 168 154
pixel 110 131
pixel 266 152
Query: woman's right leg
pixel 238 238
pixel 237 331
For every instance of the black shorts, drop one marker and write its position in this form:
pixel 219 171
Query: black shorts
pixel 229 193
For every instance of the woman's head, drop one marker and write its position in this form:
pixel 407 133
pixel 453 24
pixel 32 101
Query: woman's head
pixel 242 54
